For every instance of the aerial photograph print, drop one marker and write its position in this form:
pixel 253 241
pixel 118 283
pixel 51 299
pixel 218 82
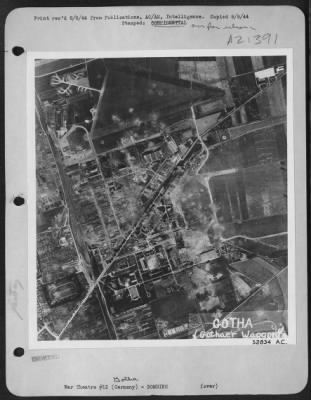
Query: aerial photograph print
pixel 161 199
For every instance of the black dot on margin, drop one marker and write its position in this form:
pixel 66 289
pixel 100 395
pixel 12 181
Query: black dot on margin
pixel 17 50
pixel 18 352
pixel 19 201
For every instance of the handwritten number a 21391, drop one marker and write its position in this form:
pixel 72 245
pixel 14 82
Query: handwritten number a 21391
pixel 257 40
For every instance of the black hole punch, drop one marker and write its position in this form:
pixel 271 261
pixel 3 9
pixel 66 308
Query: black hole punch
pixel 17 50
pixel 19 201
pixel 18 352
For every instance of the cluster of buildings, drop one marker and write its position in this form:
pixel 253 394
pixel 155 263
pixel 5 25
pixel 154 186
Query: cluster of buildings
pixel 58 260
pixel 49 196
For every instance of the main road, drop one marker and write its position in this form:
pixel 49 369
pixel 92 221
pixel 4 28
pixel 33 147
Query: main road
pixel 74 225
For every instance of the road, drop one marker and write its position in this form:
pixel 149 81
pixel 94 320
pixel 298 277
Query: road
pixel 75 227
pixel 68 196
